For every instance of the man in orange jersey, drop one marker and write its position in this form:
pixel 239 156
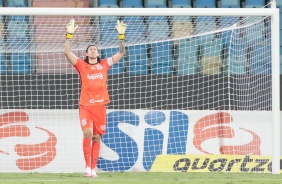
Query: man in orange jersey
pixel 94 93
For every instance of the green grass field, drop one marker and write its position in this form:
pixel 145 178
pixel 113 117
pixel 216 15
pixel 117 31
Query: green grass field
pixel 140 178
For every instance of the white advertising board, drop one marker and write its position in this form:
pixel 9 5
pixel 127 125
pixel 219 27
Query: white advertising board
pixel 51 140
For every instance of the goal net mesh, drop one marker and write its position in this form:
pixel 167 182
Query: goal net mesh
pixel 182 88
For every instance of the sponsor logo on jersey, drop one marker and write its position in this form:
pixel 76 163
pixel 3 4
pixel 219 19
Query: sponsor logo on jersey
pixel 95 76
pixel 83 122
pixel 96 101
pixel 99 66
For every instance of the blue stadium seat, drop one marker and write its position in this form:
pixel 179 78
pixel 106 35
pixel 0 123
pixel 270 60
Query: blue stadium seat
pixel 136 28
pixel 132 4
pixel 20 58
pixel 112 19
pixel 162 62
pixel 280 38
pixel 262 69
pixel 107 30
pixel 254 3
pixel 228 22
pixel 207 39
pixel 280 20
pixel 17 29
pixel 157 18
pixel 279 4
pixel 254 36
pixel 204 24
pixel 211 49
pixel 188 42
pixel 260 58
pixel 155 24
pixel 235 65
pixel 1 3
pixel 225 22
pixel 187 57
pixel 20 62
pixel 21 69
pixel 236 37
pixel 108 4
pixel 138 63
pixel 186 69
pixel 181 19
pixel 20 18
pixel 237 50
pixel 18 43
pixel 256 32
pixel 155 3
pixel 181 4
pixel 116 68
pixel 2 63
pixel 15 3
pixel 280 54
pixel 235 61
pixel 230 4
pixel 2 43
pixel 205 4
pixel 162 69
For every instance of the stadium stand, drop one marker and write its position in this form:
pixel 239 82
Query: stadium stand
pixel 45 23
pixel 253 3
pixel 230 4
pixel 200 56
pixel 117 68
pixel 137 57
pixel 155 4
pixel 17 26
pixel 279 4
pixel 108 4
pixel 205 4
pixel 187 57
pixel 138 62
pixel 260 59
pixel 132 4
pixel 163 57
pixel 2 43
pixel 181 4
pixel 15 3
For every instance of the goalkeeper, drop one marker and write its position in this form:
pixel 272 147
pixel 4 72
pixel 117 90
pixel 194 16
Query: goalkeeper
pixel 94 93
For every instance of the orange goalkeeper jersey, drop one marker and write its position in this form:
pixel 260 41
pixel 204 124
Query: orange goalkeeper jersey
pixel 93 78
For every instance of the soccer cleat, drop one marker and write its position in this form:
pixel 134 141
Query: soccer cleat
pixel 87 172
pixel 94 174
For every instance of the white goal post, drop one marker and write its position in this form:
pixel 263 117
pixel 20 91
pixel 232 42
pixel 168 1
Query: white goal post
pixel 7 100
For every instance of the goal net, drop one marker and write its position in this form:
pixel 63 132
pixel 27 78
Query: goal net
pixel 194 93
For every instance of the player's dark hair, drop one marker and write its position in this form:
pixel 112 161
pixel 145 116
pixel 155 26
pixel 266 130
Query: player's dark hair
pixel 86 59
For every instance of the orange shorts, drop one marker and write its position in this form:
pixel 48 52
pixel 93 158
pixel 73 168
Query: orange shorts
pixel 93 117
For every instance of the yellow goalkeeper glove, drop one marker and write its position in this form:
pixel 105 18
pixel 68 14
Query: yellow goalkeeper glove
pixel 71 28
pixel 121 27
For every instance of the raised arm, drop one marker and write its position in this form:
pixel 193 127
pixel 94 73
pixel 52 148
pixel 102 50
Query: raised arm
pixel 118 56
pixel 71 28
pixel 120 27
